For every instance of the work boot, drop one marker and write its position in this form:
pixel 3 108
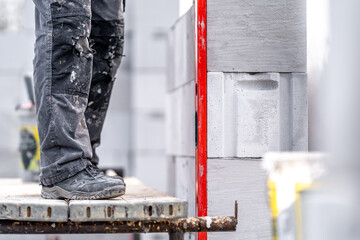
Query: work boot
pixel 87 184
pixel 101 172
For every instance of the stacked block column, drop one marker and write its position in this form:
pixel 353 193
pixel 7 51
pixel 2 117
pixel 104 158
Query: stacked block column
pixel 257 102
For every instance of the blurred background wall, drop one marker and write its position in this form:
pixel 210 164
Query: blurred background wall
pixel 16 54
pixel 134 133
pixel 133 136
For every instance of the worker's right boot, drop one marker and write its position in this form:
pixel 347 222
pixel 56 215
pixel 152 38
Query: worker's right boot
pixel 87 184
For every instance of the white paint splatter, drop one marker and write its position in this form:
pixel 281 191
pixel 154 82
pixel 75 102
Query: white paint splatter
pixel 202 25
pixel 73 76
pixel 99 90
pixel 201 170
pixel 208 222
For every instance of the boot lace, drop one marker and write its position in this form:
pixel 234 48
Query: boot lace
pixel 93 170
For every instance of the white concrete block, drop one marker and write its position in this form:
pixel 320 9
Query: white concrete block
pixel 251 114
pixel 182 176
pixel 180 121
pixel 185 181
pixel 256 36
pixel 181 52
pixel 257 113
pixel 293 112
pixel 300 113
pixel 244 181
pixel 171 175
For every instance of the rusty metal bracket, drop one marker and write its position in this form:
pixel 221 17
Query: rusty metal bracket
pixel 175 228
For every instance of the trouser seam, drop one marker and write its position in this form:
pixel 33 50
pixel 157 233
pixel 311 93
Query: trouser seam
pixel 51 102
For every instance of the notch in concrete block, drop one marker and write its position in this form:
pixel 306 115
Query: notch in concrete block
pixel 250 114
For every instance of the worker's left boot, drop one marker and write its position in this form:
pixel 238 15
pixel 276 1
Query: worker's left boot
pixel 86 184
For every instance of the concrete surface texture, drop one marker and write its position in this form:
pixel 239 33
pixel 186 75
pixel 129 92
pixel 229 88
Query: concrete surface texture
pixel 250 114
pixel 22 202
pixel 257 102
pixel 257 36
pixel 180 111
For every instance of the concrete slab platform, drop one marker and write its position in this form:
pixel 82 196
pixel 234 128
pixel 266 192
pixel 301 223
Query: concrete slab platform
pixel 139 203
pixel 22 202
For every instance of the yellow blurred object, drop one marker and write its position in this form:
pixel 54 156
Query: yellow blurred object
pixel 29 146
pixel 289 175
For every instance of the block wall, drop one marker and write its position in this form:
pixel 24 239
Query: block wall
pixel 257 102
pixel 180 111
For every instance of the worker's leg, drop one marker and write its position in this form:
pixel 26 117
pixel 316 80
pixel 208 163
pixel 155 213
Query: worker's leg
pixel 62 74
pixel 107 40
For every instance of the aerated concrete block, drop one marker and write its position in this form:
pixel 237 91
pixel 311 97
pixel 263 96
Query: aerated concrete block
pixel 181 52
pixel 180 101
pixel 185 181
pixel 245 181
pixel 181 180
pixel 182 177
pixel 251 114
pixel 256 35
pixel 180 121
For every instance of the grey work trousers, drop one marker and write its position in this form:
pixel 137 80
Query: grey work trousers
pixel 78 49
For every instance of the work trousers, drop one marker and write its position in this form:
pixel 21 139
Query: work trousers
pixel 78 49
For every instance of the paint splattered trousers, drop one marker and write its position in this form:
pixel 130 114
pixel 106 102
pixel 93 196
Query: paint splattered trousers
pixel 78 49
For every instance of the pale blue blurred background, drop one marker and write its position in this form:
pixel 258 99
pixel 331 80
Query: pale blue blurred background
pixel 134 133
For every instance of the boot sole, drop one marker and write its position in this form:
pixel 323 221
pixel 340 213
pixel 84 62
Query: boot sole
pixel 59 193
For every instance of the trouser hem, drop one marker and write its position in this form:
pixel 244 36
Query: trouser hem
pixel 67 173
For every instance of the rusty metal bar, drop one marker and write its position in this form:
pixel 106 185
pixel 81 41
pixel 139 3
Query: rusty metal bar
pixel 205 224
pixel 200 224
